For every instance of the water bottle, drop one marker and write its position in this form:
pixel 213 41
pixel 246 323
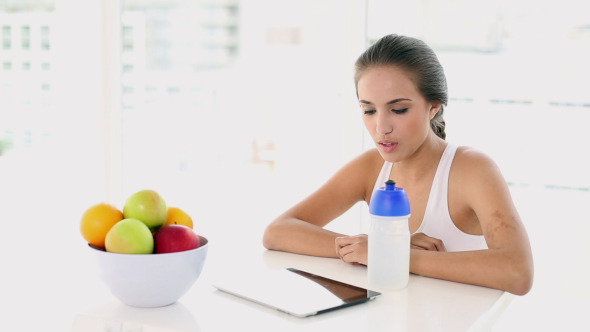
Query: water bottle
pixel 389 239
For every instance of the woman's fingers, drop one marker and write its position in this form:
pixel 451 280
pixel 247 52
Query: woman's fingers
pixel 425 242
pixel 352 249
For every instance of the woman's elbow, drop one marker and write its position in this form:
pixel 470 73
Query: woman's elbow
pixel 268 238
pixel 521 281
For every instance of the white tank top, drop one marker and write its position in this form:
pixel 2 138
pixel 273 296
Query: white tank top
pixel 437 220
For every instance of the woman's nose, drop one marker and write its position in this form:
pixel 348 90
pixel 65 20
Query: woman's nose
pixel 384 126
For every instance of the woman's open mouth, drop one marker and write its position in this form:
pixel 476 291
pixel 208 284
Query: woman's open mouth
pixel 387 146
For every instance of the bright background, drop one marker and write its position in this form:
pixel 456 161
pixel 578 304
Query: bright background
pixel 235 110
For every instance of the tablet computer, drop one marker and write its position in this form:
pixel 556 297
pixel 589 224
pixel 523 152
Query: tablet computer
pixel 293 291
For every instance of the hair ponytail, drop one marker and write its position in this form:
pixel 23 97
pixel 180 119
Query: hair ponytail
pixel 438 124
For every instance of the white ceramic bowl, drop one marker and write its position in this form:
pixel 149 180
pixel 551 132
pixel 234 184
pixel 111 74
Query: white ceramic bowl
pixel 152 280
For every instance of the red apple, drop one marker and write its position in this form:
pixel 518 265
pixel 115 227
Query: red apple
pixel 173 238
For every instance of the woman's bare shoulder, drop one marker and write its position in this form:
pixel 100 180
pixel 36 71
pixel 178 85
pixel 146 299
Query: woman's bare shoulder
pixel 361 171
pixel 368 163
pixel 370 157
pixel 474 170
pixel 469 160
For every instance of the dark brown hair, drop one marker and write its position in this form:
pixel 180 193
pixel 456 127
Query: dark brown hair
pixel 419 60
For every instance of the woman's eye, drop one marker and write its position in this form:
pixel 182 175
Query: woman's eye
pixel 368 112
pixel 400 111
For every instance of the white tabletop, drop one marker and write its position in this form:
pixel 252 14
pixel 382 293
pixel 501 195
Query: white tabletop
pixel 425 305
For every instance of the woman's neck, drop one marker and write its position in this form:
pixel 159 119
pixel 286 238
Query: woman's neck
pixel 423 162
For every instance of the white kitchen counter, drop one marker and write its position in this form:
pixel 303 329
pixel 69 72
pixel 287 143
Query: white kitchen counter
pixel 425 305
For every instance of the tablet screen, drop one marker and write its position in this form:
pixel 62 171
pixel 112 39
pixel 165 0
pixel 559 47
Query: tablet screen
pixel 294 291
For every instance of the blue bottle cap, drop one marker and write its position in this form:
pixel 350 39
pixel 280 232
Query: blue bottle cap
pixel 390 201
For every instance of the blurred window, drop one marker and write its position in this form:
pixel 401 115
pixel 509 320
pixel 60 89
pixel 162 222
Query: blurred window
pixel 517 79
pixel 204 92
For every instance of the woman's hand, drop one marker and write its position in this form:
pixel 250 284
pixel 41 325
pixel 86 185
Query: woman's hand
pixel 425 242
pixel 352 249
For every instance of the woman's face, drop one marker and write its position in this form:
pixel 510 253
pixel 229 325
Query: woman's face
pixel 395 113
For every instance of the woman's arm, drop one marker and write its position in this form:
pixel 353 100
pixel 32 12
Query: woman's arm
pixel 300 229
pixel 507 264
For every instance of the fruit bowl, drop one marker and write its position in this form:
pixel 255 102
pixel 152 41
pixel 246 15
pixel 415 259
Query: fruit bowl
pixel 151 280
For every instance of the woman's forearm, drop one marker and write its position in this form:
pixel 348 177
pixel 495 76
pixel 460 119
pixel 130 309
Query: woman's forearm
pixel 297 236
pixel 494 268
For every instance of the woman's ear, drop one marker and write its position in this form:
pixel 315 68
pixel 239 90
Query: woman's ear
pixel 434 108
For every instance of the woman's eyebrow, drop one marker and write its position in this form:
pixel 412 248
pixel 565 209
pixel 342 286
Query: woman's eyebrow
pixel 398 100
pixel 388 103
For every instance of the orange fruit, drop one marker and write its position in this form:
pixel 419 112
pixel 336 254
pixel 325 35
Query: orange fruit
pixel 179 217
pixel 96 222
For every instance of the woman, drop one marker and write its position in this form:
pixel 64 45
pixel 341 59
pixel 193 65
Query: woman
pixel 464 225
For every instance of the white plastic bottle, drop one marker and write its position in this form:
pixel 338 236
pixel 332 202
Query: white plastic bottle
pixel 389 239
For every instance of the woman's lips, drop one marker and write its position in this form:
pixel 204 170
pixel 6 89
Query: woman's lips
pixel 387 146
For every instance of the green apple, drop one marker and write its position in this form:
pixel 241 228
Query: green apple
pixel 147 206
pixel 130 236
